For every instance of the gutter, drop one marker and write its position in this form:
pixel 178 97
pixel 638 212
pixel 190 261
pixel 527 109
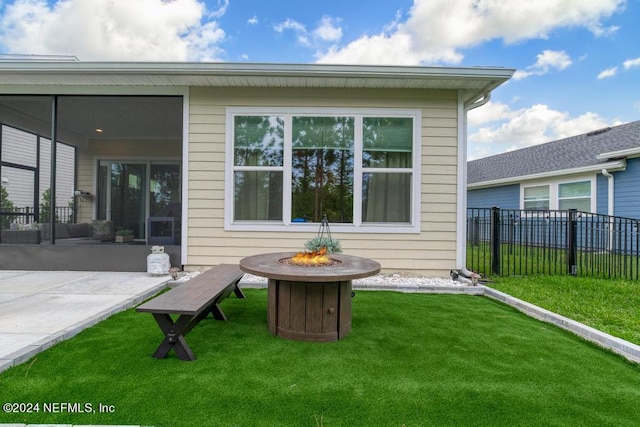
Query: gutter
pixel 616 165
pixel 630 152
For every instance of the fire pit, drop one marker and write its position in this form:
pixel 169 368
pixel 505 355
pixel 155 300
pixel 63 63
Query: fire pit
pixel 309 302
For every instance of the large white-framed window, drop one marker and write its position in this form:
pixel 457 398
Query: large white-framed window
pixel 577 194
pixel 288 167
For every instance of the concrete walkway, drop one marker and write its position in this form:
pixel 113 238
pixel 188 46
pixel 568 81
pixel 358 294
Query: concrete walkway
pixel 40 309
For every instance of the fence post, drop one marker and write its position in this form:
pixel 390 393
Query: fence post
pixel 572 242
pixel 495 240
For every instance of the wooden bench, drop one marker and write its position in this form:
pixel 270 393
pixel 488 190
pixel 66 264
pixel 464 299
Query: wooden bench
pixel 191 302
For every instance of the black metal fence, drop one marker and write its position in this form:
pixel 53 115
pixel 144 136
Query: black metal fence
pixel 26 215
pixel 506 242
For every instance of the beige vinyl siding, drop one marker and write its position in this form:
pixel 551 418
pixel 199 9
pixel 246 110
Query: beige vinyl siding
pixel 432 251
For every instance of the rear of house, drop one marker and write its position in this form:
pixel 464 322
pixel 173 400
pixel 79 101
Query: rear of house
pixel 232 160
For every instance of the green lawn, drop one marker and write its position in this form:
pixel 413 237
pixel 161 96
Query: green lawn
pixel 609 305
pixel 527 260
pixel 411 359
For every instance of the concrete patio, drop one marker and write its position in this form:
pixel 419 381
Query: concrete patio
pixel 40 309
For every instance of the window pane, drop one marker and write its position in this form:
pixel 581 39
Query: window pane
pixel 535 193
pixel 386 197
pixel 322 169
pixel 579 204
pixel 164 191
pixel 387 142
pixel 537 204
pixel 575 189
pixel 258 195
pixel 258 140
pixel 323 132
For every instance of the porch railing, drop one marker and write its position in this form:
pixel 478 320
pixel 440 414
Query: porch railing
pixel 26 215
pixel 506 242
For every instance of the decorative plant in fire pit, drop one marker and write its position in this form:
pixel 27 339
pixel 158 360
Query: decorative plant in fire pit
pixel 317 243
pixel 318 249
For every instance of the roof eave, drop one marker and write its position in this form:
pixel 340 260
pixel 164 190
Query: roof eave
pixel 630 152
pixel 613 166
pixel 481 76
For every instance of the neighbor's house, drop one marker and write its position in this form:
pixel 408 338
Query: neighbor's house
pixel 246 158
pixel 596 172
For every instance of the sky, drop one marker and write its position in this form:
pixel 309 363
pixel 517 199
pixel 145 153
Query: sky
pixel 577 62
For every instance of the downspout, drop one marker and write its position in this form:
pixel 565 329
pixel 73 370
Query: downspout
pixel 461 243
pixel 610 182
pixel 610 209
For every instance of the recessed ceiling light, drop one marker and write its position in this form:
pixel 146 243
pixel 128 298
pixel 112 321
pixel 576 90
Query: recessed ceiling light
pixel 98 130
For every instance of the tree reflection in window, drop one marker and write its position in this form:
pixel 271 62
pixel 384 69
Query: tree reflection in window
pixel 259 148
pixel 258 141
pixel 322 168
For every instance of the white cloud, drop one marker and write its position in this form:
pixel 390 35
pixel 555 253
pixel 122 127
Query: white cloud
pixel 631 63
pixel 299 29
pixel 546 61
pixel 290 24
pixel 435 30
pixel 499 129
pixel 328 30
pixel 253 20
pixel 490 112
pixel 609 72
pixel 381 49
pixel 139 30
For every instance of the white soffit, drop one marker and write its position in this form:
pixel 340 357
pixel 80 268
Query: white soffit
pixel 69 73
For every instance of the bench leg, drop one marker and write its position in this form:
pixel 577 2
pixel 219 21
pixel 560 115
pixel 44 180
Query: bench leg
pixel 217 312
pixel 174 333
pixel 238 291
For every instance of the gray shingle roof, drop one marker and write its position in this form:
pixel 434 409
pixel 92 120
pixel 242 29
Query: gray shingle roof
pixel 568 153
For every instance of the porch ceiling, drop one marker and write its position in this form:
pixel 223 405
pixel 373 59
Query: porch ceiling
pixel 119 117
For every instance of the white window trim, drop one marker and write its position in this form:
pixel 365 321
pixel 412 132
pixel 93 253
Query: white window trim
pixel 355 227
pixel 554 201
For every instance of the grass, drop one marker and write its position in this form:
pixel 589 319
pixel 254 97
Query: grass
pixel 610 305
pixel 411 359
pixel 518 259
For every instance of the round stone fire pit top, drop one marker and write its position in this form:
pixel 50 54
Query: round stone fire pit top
pixel 344 267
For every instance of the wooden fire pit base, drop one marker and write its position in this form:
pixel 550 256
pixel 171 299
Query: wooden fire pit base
pixel 309 303
pixel 309 311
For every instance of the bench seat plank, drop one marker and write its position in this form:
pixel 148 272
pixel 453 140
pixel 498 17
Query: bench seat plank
pixel 196 294
pixel 192 301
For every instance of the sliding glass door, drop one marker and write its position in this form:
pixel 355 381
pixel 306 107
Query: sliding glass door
pixel 130 192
